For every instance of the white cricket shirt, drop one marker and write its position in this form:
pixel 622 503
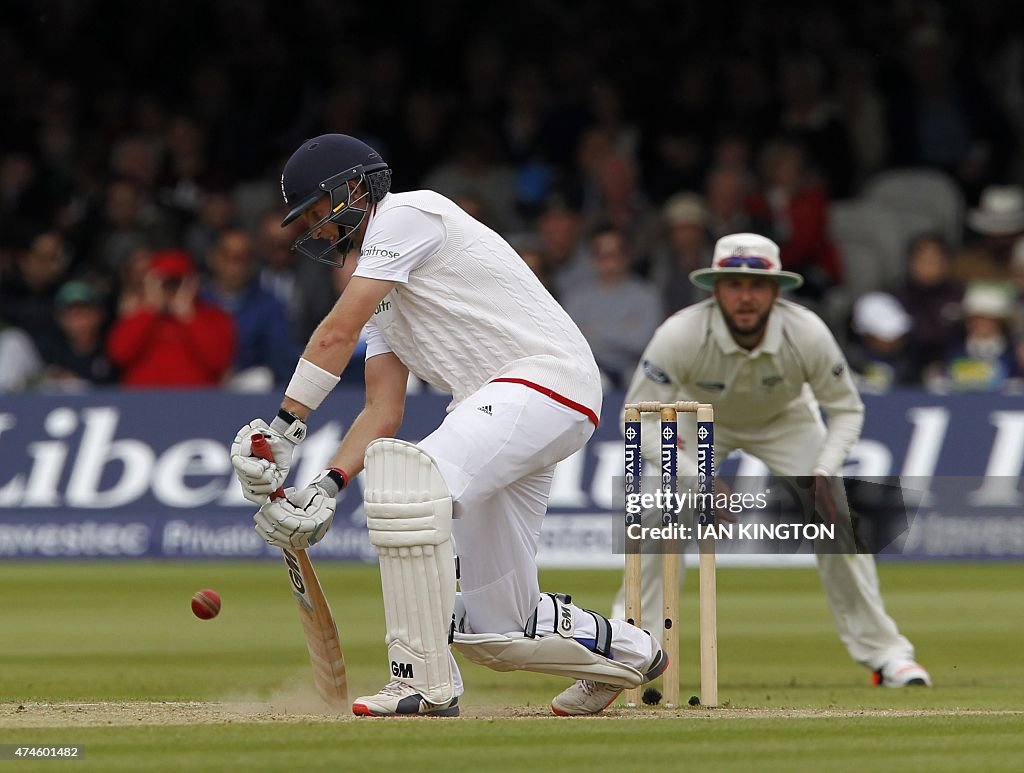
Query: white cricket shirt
pixel 467 309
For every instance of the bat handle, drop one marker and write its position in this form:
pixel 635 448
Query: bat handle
pixel 261 450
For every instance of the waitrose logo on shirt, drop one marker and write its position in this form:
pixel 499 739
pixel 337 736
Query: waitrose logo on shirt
pixel 377 252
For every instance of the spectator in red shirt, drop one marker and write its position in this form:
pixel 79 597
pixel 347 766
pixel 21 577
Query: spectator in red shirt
pixel 173 339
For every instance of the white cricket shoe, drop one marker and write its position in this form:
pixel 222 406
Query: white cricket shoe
pixel 902 673
pixel 590 697
pixel 398 699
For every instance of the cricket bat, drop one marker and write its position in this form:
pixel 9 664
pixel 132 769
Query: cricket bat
pixel 318 624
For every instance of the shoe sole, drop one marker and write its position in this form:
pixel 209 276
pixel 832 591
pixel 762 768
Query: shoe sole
pixel 362 710
pixel 559 713
pixel 653 673
pixel 879 681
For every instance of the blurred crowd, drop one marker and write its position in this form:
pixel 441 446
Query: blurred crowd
pixel 142 145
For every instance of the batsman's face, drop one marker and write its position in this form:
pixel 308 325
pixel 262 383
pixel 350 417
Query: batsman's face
pixel 315 214
pixel 315 218
pixel 746 303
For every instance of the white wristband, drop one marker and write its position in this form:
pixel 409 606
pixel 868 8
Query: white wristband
pixel 310 384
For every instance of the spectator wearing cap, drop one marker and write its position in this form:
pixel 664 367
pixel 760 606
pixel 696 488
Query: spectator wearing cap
pixel 174 339
pixel 878 356
pixel 80 357
pixel 265 350
pixel 985 361
pixel 686 247
pixel 996 223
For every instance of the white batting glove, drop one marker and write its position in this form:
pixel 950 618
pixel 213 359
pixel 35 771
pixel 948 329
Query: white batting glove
pixel 300 518
pixel 260 477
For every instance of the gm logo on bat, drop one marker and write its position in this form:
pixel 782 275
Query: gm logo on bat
pixel 295 575
pixel 294 572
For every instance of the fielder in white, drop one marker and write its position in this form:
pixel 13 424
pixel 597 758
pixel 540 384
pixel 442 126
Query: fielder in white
pixel 768 365
pixel 443 296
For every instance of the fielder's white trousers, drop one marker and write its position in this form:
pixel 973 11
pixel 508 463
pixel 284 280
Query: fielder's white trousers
pixel 789 447
pixel 497 452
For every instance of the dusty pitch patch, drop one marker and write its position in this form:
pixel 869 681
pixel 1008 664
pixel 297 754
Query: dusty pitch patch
pixel 146 713
pixel 128 714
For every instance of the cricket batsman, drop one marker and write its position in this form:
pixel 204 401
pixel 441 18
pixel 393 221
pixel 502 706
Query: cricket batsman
pixel 440 295
pixel 768 365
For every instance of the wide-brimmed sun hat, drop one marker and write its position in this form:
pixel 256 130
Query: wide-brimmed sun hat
pixel 745 255
pixel 1000 211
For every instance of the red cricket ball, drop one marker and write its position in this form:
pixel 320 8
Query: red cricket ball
pixel 205 604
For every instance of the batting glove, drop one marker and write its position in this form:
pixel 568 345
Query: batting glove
pixel 260 477
pixel 299 519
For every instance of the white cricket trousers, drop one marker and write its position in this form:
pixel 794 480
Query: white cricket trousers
pixel 497 452
pixel 790 447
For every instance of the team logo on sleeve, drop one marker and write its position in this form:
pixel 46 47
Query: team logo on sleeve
pixel 654 373
pixel 837 369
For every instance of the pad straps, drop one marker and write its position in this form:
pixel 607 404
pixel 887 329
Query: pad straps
pixel 565 625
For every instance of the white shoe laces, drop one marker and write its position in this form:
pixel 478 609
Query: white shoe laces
pixel 589 686
pixel 395 689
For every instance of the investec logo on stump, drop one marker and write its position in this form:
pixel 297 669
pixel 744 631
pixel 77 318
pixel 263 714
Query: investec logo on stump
pixel 705 459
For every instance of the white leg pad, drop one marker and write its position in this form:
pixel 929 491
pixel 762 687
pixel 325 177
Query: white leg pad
pixel 409 518
pixel 551 654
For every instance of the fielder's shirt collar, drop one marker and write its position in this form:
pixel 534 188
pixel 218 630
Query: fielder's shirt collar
pixel 769 345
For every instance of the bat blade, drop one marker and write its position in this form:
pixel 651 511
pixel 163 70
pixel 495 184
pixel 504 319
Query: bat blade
pixel 322 640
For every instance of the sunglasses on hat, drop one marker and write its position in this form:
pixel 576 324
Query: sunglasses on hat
pixel 744 261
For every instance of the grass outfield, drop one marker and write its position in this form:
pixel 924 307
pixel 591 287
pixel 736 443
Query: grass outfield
pixel 110 656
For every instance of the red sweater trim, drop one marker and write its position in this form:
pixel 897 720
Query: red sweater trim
pixel 553 395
